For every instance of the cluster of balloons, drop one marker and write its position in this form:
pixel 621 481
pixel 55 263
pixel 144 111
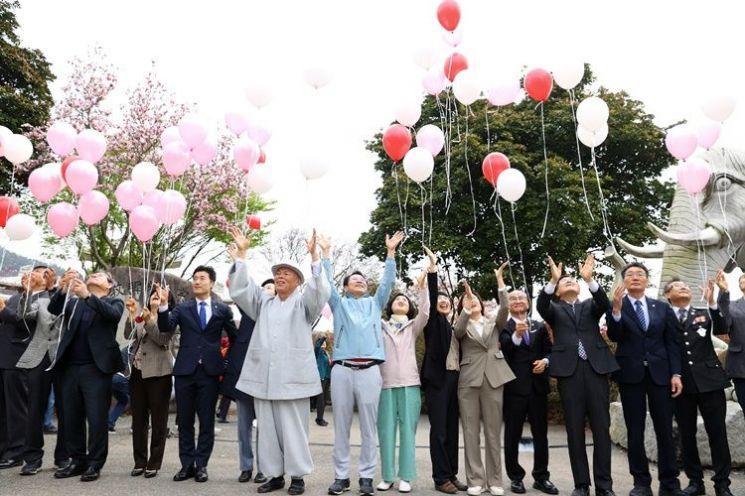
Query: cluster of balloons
pixel 419 161
pixel 510 183
pixel 592 121
pixel 16 148
pixel 190 140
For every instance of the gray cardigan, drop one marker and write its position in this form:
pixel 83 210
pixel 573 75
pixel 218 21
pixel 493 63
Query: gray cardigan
pixel 46 335
pixel 157 359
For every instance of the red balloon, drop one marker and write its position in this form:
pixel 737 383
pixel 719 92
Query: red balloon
pixel 262 157
pixel 448 13
pixel 454 64
pixel 8 208
pixel 254 222
pixel 397 141
pixel 493 165
pixel 66 163
pixel 538 83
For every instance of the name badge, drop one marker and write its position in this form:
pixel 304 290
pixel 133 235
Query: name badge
pixel 701 331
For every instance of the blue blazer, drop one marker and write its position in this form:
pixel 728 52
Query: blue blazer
pixel 658 346
pixel 195 344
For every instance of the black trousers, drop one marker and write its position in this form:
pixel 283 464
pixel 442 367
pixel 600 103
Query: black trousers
pixel 196 396
pixel 516 409
pixel 442 410
pixel 634 399
pixel 584 394
pixel 40 383
pixel 86 393
pixel 223 407
pixel 13 413
pixel 149 401
pixel 713 407
pixel 320 399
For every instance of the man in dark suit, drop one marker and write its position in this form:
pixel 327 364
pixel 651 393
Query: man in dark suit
pixel 581 361
pixel 87 357
pixel 527 347
pixel 649 356
pixel 704 382
pixel 197 370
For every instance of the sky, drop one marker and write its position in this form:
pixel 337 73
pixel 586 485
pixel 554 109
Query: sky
pixel 672 56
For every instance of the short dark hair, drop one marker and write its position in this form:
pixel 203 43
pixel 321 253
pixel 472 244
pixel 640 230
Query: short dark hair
pixel 268 281
pixel 634 264
pixel 206 268
pixel 40 266
pixel 564 276
pixel 171 298
pixel 355 273
pixel 478 297
pixel 389 307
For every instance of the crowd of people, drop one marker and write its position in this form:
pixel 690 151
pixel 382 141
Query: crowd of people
pixel 480 369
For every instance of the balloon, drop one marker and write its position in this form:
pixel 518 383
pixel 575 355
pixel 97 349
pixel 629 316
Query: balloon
pixel 425 57
pixel 466 87
pixel 259 133
pixel 61 137
pixel 317 76
pixel 431 138
pixel 681 141
pixel 313 167
pixel 708 133
pixel 493 165
pixel 152 198
pixel 65 164
pixel 434 81
pixel 693 175
pixel 4 133
pixel 260 179
pixel 246 153
pixel 258 94
pixel 8 208
pixel 236 122
pixel 62 218
pixel 448 13
pixel 192 130
pixel 396 141
pixel 81 176
pixel 128 196
pixel 504 93
pixel 93 207
pixel 17 148
pixel 568 74
pixel 453 38
pixel 511 185
pixel 55 170
pixel 176 158
pixel 538 84
pixel 454 64
pixel 145 176
pixel 254 222
pixel 206 151
pixel 43 183
pixel 419 164
pixel 90 145
pixel 719 108
pixel 169 135
pixel 408 111
pixel 20 227
pixel 143 223
pixel 262 156
pixel 592 113
pixel 171 207
pixel 592 139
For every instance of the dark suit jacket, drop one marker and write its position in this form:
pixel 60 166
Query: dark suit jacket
pixel 101 316
pixel 736 348
pixel 236 356
pixel 520 359
pixel 569 327
pixel 658 346
pixel 195 344
pixel 437 335
pixel 15 335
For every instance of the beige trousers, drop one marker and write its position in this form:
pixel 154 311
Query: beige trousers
pixel 482 405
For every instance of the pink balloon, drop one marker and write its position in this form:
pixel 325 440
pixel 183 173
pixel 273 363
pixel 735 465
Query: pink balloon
pixel 152 199
pixel 143 223
pixel 61 137
pixel 681 141
pixel 236 122
pixel 206 151
pixel 693 175
pixel 192 130
pixel 128 195
pixel 43 184
pixel 81 176
pixel 176 158
pixel 246 153
pixel 62 218
pixel 169 135
pixel 91 145
pixel 93 206
pixel 434 81
pixel 432 138
pixel 504 93
pixel 172 207
pixel 259 133
pixel 326 311
pixel 708 133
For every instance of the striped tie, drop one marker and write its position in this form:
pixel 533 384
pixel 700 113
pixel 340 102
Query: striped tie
pixel 640 314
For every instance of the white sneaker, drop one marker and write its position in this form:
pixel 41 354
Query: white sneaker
pixel 404 487
pixel 384 486
pixel 474 491
pixel 496 491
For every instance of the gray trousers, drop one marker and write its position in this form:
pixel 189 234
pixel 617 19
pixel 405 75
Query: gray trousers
pixel 363 387
pixel 283 445
pixel 246 416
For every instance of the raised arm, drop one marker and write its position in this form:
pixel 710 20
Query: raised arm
pixel 503 313
pixel 613 318
pixel 721 317
pixel 318 290
pixel 544 306
pixel 243 290
pixel 424 306
pixel 389 274
pixel 334 297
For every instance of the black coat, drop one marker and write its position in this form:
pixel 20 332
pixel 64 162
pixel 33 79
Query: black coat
pixel 437 335
pixel 236 356
pixel 15 335
pixel 520 359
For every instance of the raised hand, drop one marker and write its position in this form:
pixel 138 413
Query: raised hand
pixel 240 240
pixel 432 260
pixel 618 294
pixel 499 274
pixel 79 289
pixel 555 271
pixel 722 281
pixel 421 281
pixel 587 268
pixel 392 242
pixel 66 278
pixel 520 328
pixel 312 242
pixel 131 306
pixel 325 244
pixel 163 295
pixel 708 291
pixel 467 296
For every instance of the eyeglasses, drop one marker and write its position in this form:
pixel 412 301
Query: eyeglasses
pixel 635 273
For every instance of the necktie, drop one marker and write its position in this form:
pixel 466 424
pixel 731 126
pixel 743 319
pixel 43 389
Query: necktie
pixel 203 314
pixel 682 314
pixel 640 314
pixel 581 350
pixel 526 336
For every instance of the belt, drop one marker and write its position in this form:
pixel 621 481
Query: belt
pixel 356 365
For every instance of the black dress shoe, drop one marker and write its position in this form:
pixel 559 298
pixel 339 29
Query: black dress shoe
pixel 581 491
pixel 90 474
pixel 641 491
pixel 10 463
pixel 545 486
pixel 722 491
pixel 183 474
pixel 321 422
pixel 272 485
pixel 245 476
pixel 672 492
pixel 201 474
pixel 149 474
pixel 695 488
pixel 31 468
pixel 604 492
pixel 70 470
pixel 260 478
pixel 137 471
pixel 297 486
pixel 517 486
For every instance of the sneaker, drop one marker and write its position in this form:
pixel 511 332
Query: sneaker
pixel 474 491
pixel 297 486
pixel 366 486
pixel 496 491
pixel 384 486
pixel 339 486
pixel 31 468
pixel 404 487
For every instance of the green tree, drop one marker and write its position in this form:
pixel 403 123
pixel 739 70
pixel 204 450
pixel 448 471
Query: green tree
pixel 629 164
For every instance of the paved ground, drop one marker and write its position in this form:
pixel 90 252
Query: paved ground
pixel 223 469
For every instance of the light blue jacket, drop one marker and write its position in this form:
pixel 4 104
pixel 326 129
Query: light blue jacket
pixel 357 332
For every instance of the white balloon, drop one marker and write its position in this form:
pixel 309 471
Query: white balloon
pixel 4 133
pixel 317 76
pixel 20 227
pixel 425 57
pixel 592 113
pixel 432 138
pixel 592 139
pixel 145 176
pixel 408 111
pixel 17 148
pixel 719 108
pixel 169 135
pixel 313 167
pixel 419 164
pixel 511 185
pixel 260 179
pixel 466 87
pixel 453 38
pixel 258 94
pixel 568 74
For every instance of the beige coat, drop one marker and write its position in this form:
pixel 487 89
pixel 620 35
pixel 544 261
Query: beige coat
pixel 157 359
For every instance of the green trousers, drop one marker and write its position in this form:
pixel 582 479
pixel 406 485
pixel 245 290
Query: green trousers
pixel 398 409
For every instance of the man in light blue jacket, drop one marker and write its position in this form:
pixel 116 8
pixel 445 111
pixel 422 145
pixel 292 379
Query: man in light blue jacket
pixel 358 350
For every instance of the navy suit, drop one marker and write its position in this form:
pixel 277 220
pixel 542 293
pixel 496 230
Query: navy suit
pixel 648 359
pixel 197 372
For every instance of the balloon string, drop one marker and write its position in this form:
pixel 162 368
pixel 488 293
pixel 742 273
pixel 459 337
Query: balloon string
pixel 528 290
pixel 448 128
pixel 700 248
pixel 470 179
pixel 545 174
pixel 498 213
pixel 603 207
pixel 394 173
pixel 431 202
pixel 423 194
pixel 579 153
pixel 488 133
pixel 723 209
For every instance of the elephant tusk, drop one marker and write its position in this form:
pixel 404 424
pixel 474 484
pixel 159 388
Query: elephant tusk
pixel 706 237
pixel 655 251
